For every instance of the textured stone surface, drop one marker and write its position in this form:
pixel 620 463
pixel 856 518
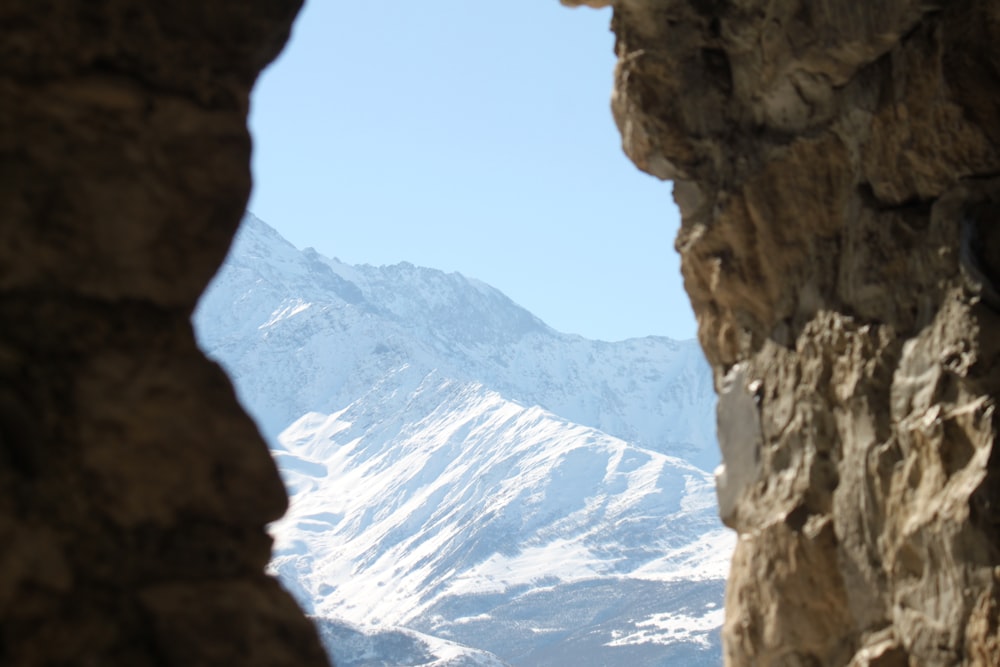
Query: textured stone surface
pixel 836 164
pixel 135 490
pixel 837 168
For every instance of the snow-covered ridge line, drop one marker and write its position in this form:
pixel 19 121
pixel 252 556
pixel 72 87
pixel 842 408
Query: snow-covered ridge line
pixel 434 506
pixel 340 328
pixel 462 475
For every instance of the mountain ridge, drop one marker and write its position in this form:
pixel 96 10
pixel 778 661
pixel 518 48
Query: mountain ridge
pixel 347 325
pixel 444 508
pixel 462 475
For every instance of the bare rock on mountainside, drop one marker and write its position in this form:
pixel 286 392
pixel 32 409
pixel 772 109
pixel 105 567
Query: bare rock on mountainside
pixel 135 491
pixel 837 167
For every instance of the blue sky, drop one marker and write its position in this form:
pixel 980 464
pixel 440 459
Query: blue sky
pixel 473 137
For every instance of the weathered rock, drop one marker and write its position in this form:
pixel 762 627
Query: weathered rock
pixel 135 489
pixel 836 164
pixel 837 168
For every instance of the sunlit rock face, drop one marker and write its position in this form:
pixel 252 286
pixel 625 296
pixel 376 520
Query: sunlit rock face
pixel 135 491
pixel 836 164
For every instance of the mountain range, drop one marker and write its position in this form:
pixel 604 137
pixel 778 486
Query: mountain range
pixel 469 486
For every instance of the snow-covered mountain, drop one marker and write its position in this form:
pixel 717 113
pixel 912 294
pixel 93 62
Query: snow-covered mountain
pixel 337 329
pixel 355 646
pixel 470 487
pixel 443 507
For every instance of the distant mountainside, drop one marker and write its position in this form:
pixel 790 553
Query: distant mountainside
pixel 464 476
pixel 370 647
pixel 443 507
pixel 338 329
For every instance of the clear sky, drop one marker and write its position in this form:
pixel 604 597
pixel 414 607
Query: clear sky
pixel 469 136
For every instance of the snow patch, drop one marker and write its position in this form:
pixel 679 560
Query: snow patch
pixel 673 627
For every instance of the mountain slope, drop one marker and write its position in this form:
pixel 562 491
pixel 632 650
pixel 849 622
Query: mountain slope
pixel 443 507
pixel 461 475
pixel 353 646
pixel 339 329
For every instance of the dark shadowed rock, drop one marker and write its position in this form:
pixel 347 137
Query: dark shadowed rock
pixel 135 489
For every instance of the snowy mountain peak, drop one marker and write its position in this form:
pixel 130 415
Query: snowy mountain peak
pixel 341 327
pixel 462 475
pixel 430 507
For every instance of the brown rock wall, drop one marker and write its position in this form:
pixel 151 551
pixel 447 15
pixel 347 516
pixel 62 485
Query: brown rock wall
pixel 836 166
pixel 135 489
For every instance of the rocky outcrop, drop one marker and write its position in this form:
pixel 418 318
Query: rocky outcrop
pixel 837 165
pixel 135 490
pixel 837 168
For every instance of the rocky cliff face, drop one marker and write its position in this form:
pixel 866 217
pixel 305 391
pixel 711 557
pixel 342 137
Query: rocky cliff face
pixel 135 490
pixel 836 164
